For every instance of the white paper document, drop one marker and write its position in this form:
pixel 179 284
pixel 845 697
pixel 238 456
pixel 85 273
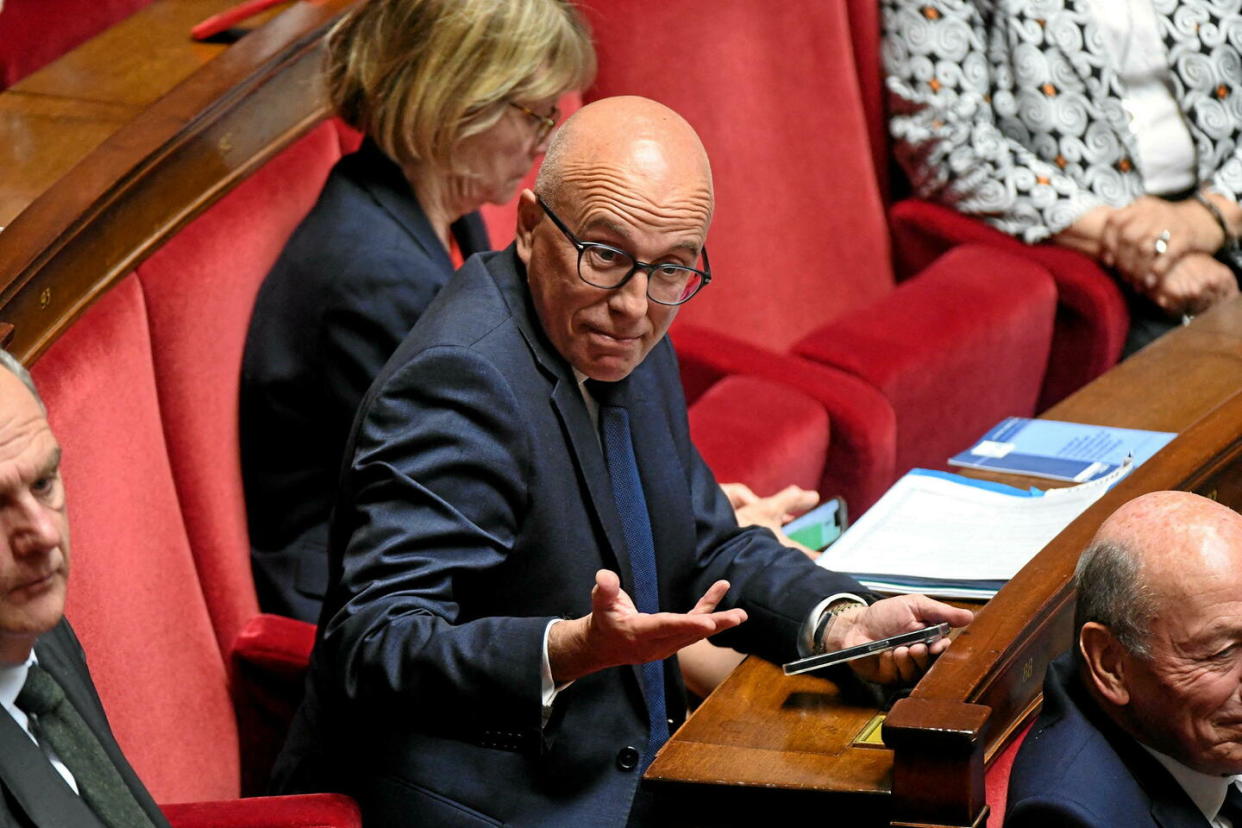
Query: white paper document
pixel 953 536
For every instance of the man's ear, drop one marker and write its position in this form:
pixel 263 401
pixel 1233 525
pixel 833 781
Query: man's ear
pixel 529 214
pixel 1105 660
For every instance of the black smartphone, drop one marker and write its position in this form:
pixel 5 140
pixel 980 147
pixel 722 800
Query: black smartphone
pixel 924 636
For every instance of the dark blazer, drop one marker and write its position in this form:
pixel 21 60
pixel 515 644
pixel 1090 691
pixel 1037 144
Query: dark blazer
pixel 32 793
pixel 1077 768
pixel 476 509
pixel 351 282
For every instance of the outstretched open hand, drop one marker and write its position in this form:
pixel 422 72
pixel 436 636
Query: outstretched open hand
pixel 616 633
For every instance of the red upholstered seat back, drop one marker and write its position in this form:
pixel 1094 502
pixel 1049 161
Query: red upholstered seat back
pixel 36 32
pixel 200 290
pixel 799 236
pixel 134 597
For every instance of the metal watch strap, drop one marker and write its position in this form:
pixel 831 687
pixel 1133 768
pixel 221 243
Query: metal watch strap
pixel 829 615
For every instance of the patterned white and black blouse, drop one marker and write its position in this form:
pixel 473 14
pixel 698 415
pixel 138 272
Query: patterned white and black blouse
pixel 1012 110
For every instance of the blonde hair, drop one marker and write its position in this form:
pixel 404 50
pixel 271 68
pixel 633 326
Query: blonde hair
pixel 419 76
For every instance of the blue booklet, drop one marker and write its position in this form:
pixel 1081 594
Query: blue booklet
pixel 1058 450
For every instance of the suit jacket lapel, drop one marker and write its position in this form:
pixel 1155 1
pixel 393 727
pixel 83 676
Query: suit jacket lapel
pixel 33 783
pixel 583 438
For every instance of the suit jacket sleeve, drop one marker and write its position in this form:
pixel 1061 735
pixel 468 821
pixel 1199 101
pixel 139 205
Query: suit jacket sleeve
pixel 432 500
pixel 948 103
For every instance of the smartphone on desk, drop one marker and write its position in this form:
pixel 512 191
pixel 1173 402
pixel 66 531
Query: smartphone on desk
pixel 818 528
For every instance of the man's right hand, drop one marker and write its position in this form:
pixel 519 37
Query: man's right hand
pixel 616 633
pixel 899 614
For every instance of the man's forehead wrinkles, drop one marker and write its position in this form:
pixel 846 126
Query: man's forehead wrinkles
pixel 679 213
pixel 591 180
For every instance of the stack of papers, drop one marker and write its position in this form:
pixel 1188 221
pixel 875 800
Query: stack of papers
pixel 948 535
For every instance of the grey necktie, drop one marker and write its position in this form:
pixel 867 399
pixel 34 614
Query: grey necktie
pixel 61 726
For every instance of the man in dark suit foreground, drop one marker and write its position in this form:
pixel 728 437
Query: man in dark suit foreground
pixel 525 532
pixel 59 764
pixel 1142 724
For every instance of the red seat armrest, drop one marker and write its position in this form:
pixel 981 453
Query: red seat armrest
pixel 269 661
pixel 861 463
pixel 274 645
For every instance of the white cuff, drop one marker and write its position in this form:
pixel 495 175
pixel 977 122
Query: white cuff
pixel 549 689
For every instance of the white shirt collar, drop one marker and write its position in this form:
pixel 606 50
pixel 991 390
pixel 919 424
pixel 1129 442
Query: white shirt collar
pixel 1204 789
pixel 591 404
pixel 12 678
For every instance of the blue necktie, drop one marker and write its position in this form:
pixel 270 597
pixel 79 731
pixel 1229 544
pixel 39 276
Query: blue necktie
pixel 627 490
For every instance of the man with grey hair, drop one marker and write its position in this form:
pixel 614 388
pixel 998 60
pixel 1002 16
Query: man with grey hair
pixel 59 763
pixel 1142 722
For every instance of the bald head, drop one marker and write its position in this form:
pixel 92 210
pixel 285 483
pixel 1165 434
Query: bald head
pixel 628 180
pixel 619 143
pixel 1147 554
pixel 1160 626
pixel 1162 528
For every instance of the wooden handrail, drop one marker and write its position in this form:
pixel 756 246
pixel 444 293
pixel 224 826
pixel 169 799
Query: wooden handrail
pixel 177 157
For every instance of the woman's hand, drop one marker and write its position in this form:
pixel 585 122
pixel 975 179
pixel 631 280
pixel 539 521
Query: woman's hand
pixel 1130 234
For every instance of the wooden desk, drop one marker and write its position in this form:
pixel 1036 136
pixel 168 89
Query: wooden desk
pixel 51 120
pixel 764 742
pixel 156 171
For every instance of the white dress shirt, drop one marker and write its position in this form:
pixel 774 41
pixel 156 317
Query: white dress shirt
pixel 1166 151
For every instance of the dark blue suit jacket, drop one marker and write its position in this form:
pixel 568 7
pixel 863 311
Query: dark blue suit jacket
pixel 32 793
pixel 1077 768
pixel 477 508
pixel 351 282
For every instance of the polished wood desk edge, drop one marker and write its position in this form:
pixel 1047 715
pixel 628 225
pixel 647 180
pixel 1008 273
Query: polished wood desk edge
pixel 37 251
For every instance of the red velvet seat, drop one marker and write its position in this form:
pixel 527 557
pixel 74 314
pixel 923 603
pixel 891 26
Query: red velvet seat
pixel 34 33
pixel 996 779
pixel 199 289
pixel 800 245
pixel 1091 318
pixel 134 596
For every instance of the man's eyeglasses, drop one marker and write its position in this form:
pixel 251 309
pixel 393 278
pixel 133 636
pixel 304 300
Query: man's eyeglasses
pixel 608 267
pixel 543 123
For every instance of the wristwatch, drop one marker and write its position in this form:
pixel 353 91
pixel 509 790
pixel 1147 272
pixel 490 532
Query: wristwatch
pixel 829 615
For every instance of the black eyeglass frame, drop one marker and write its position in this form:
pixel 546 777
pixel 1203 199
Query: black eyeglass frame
pixel 546 123
pixel 705 274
